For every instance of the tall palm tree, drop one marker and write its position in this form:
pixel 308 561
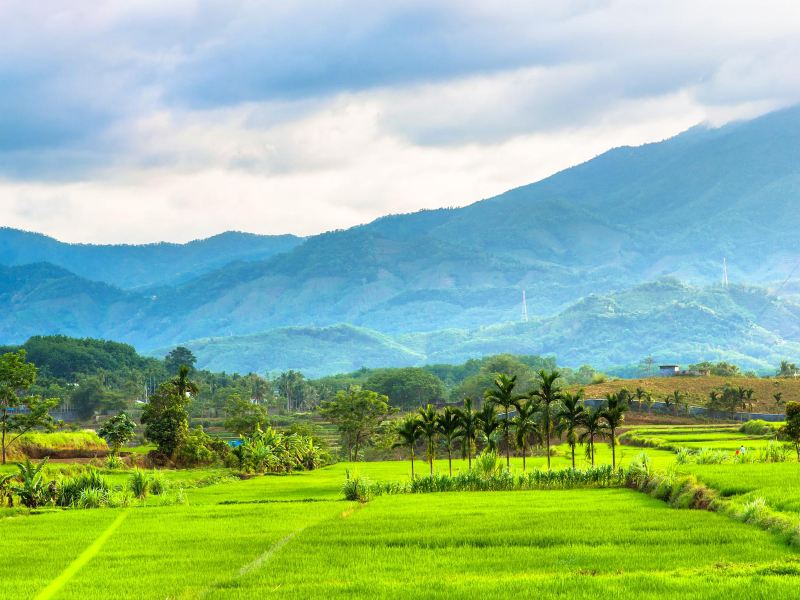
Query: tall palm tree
pixel 468 419
pixel 548 394
pixel 642 396
pixel 593 428
pixel 450 430
pixel 525 427
pixel 488 423
pixel 429 423
pixel 569 417
pixel 410 434
pixel 502 395
pixel 614 415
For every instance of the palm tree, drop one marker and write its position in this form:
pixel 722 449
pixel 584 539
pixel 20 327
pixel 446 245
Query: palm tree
pixel 548 393
pixel 778 397
pixel 410 433
pixel 429 424
pixel 469 427
pixel 593 427
pixel 502 395
pixel 642 396
pixel 450 429
pixel 748 399
pixel 569 418
pixel 525 426
pixel 614 414
pixel 488 424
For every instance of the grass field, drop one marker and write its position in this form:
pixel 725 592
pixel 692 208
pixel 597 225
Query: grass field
pixel 293 536
pixel 563 544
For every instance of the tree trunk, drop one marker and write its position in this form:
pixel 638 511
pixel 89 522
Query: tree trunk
pixel 524 452
pixel 572 447
pixel 547 443
pixel 4 443
pixel 508 446
pixel 412 463
pixel 613 450
pixel 469 454
pixel 450 461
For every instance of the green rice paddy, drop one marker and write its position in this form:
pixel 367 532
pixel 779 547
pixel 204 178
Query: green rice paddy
pixel 293 536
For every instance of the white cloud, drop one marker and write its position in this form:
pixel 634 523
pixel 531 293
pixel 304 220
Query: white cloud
pixel 138 121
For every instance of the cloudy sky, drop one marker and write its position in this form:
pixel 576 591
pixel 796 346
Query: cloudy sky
pixel 144 120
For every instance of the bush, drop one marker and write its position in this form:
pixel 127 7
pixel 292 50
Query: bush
pixel 139 484
pixel 197 449
pixel 92 498
pixel 69 490
pixel 114 462
pixel 759 427
pixel 158 484
pixel 357 488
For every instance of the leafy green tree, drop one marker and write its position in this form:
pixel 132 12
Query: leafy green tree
pixel 357 413
pixel 593 428
pixel 165 417
pixel 525 427
pixel 502 395
pixel 243 417
pixel 179 357
pixel 429 424
pixel 408 387
pixel 792 427
pixel 614 415
pixel 488 424
pixel 409 433
pixel 293 388
pixel 569 418
pixel 117 431
pixel 20 411
pixel 89 396
pixel 548 395
pixel 468 419
pixel 450 430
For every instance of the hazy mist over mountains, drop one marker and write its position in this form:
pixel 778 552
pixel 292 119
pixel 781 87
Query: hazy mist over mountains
pixel 620 257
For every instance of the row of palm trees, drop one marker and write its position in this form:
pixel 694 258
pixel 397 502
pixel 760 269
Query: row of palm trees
pixel 545 412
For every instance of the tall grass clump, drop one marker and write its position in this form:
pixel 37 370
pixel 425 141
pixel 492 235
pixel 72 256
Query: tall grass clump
pixel 70 490
pixel 139 484
pixel 759 427
pixel 357 488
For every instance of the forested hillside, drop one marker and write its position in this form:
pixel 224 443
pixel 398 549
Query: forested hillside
pixel 447 284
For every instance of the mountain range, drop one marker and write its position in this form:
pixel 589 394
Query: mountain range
pixel 620 257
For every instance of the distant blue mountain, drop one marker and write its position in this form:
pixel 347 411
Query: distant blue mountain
pixel 630 216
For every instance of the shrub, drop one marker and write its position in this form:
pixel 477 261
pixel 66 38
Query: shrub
pixel 487 464
pixel 70 489
pixel 158 484
pixel 114 462
pixel 357 488
pixel 92 498
pixel 758 427
pixel 139 484
pixel 773 452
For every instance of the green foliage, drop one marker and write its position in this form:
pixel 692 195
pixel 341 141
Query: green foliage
pixel 20 411
pixel 117 431
pixel 407 388
pixel 177 358
pixel 30 485
pixel 275 452
pixel 243 417
pixel 139 484
pixel 759 427
pixel 165 417
pixel 357 488
pixel 791 430
pixel 357 413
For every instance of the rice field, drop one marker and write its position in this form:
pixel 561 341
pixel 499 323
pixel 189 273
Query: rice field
pixel 294 536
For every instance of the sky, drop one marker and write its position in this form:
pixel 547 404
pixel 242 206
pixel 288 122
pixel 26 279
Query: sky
pixel 143 120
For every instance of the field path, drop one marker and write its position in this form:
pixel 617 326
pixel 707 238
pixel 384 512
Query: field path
pixel 82 559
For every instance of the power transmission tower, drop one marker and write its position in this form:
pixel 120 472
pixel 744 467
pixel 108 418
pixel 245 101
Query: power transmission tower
pixel 725 272
pixel 524 308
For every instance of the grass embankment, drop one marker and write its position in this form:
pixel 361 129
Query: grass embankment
pixel 698 388
pixel 60 444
